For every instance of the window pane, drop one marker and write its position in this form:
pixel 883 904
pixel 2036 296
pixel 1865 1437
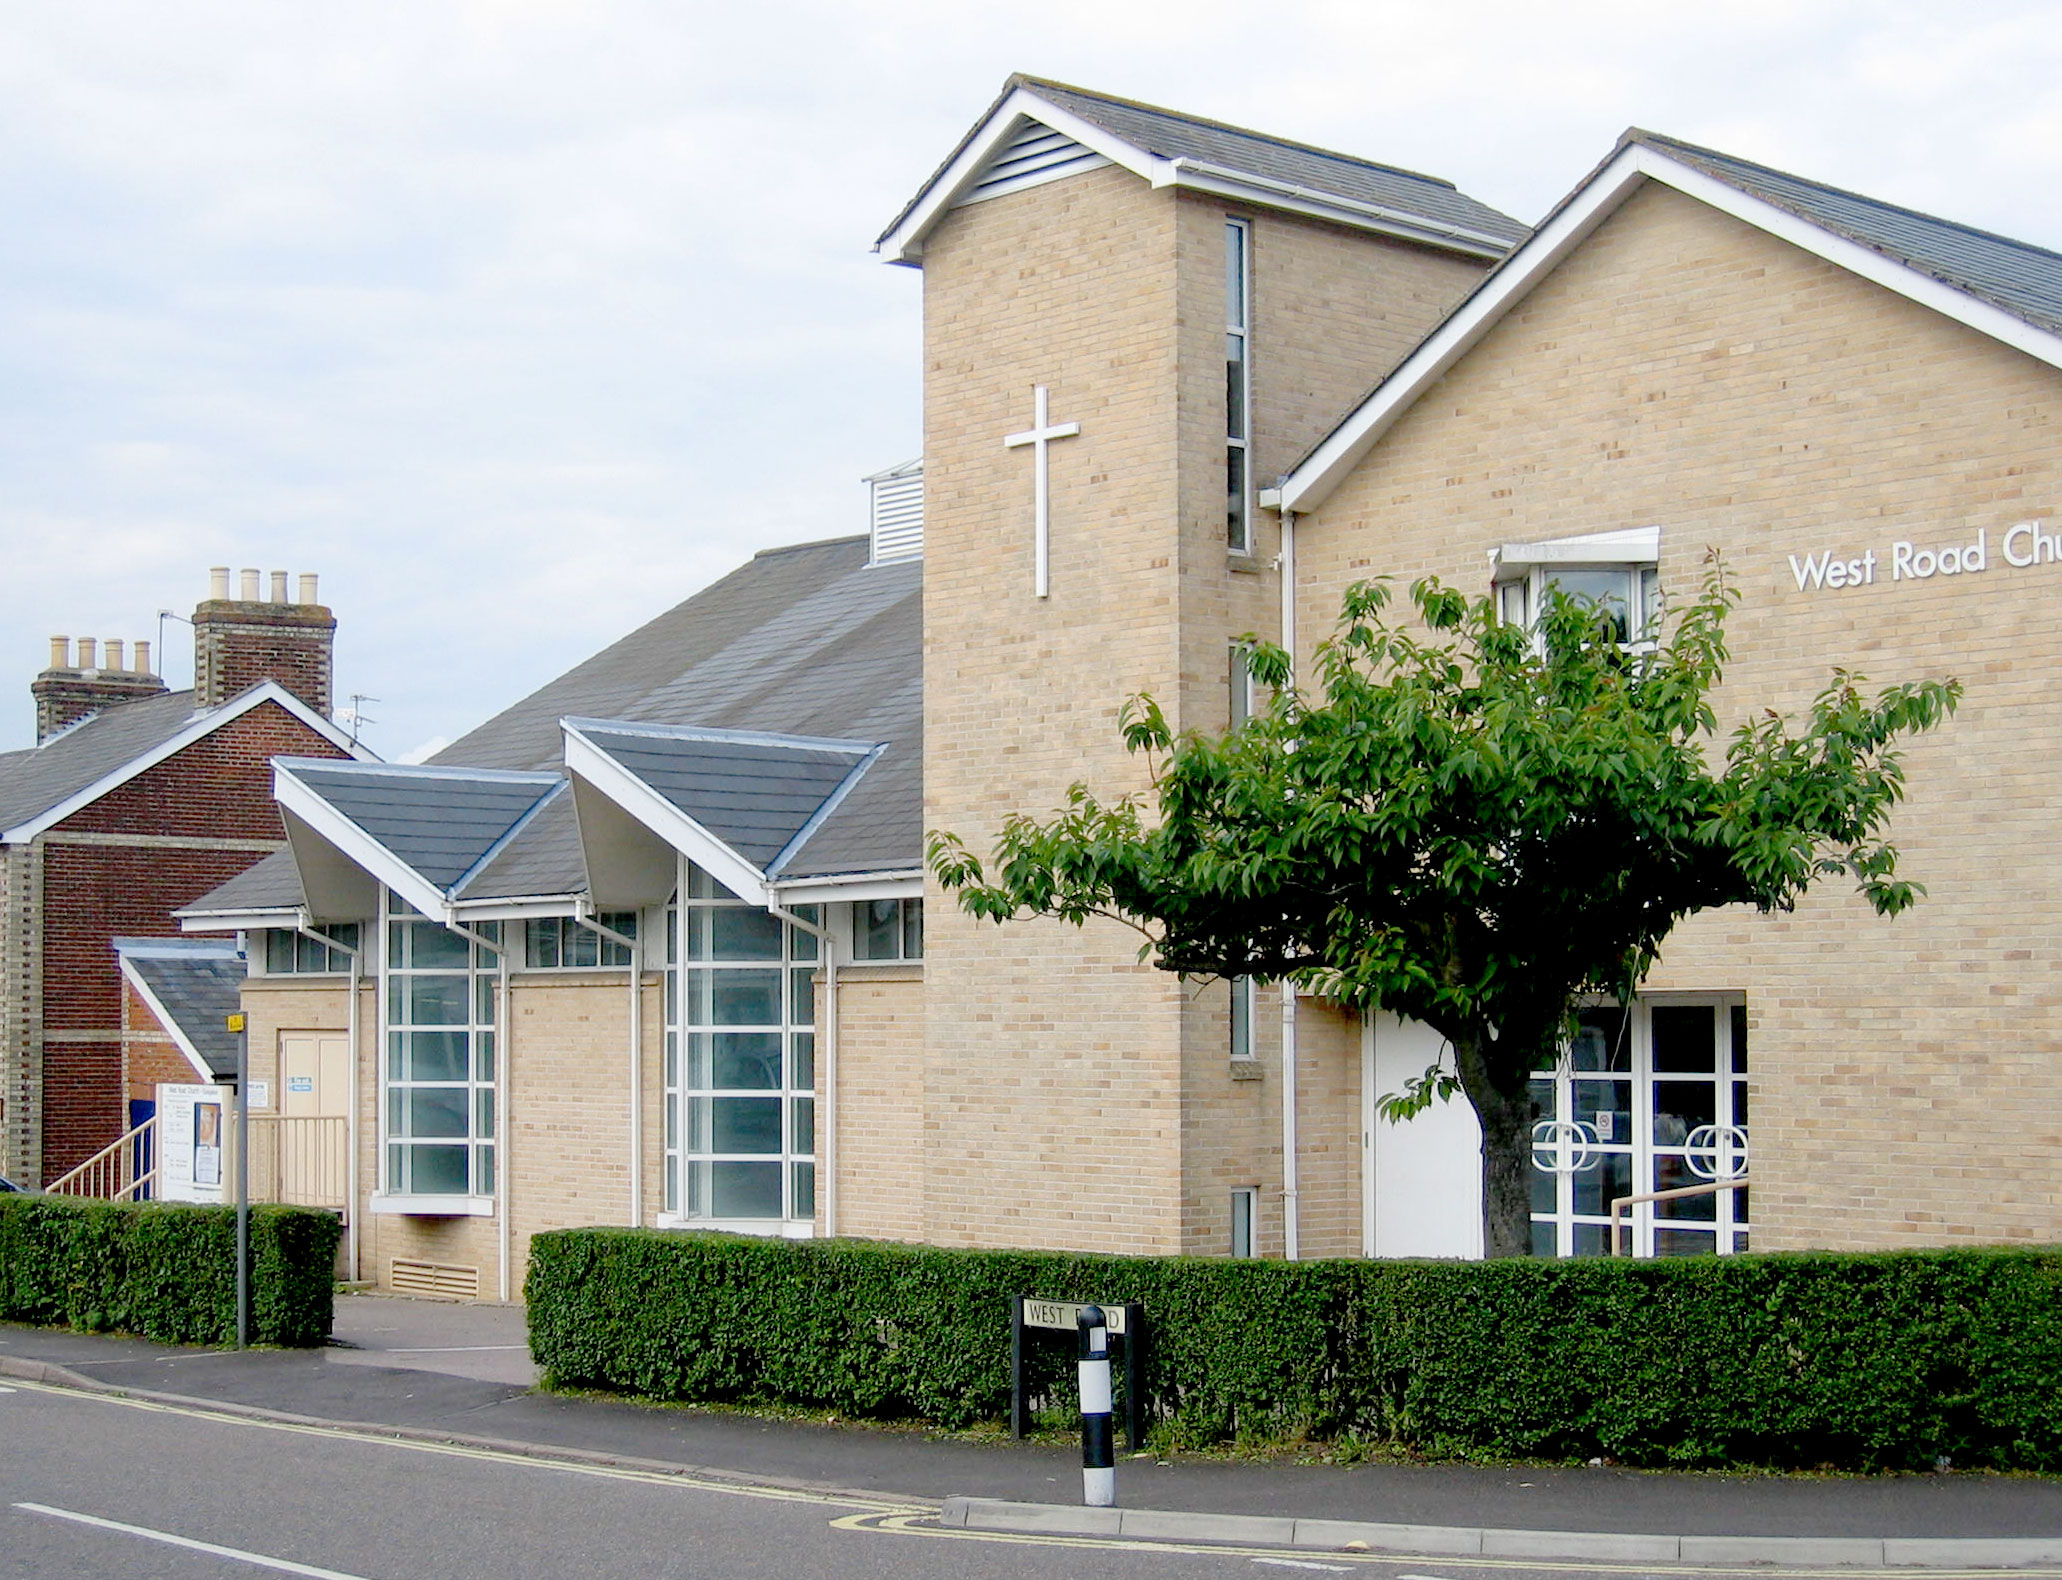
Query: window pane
pixel 434 1171
pixel 483 1161
pixel 912 929
pixel 1739 1019
pixel 743 1124
pixel 1592 1239
pixel 1235 386
pixel 748 1060
pixel 1685 1038
pixel 803 1075
pixel 804 945
pixel 745 998
pixel 540 942
pixel 1602 1041
pixel 429 1056
pixel 1684 1242
pixel 876 929
pixel 1610 588
pixel 1235 498
pixel 1606 1107
pixel 802 998
pixel 483 1113
pixel 1235 274
pixel 737 933
pixel 583 945
pixel 744 1190
pixel 279 951
pixel 1603 1182
pixel 435 1000
pixel 805 1190
pixel 1679 1108
pixel 431 946
pixel 436 1111
pixel 1242 1017
pixel 483 1056
pixel 1673 1173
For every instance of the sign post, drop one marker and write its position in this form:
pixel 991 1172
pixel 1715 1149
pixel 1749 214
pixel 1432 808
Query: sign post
pixel 243 1182
pixel 1124 1321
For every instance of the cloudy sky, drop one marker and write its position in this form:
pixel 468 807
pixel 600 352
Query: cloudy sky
pixel 519 321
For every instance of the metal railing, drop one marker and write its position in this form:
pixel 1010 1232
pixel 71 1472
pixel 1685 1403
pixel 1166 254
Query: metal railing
pixel 300 1158
pixel 1620 1203
pixel 111 1174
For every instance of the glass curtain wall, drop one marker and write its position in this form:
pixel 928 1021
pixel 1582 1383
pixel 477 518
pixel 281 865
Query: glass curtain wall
pixel 740 1059
pixel 439 991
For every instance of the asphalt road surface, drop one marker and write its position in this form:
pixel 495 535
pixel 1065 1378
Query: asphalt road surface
pixel 102 1487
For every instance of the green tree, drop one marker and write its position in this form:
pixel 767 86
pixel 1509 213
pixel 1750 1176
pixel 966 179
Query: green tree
pixel 1471 825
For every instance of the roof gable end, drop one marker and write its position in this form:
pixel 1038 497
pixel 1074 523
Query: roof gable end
pixel 1722 184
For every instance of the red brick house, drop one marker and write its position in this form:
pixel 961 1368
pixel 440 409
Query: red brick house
pixel 134 801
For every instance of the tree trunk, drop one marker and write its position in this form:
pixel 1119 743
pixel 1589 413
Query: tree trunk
pixel 1502 1099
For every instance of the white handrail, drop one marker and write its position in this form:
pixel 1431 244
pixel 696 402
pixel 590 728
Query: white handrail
pixel 106 1175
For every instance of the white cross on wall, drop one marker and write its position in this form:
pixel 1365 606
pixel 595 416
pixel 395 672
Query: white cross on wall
pixel 1040 434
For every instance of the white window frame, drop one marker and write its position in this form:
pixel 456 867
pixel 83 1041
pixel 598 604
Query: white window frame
pixel 571 926
pixel 482 1102
pixel 1245 1216
pixel 1238 425
pixel 1239 683
pixel 799 961
pixel 1520 573
pixel 1244 1047
pixel 908 927
pixel 338 961
pixel 1650 1156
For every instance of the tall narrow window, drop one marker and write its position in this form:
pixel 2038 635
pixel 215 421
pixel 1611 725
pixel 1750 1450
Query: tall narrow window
pixel 440 1012
pixel 1242 1018
pixel 1238 387
pixel 1244 1204
pixel 740 1060
pixel 1241 682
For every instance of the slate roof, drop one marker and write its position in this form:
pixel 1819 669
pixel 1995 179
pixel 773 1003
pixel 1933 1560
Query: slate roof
pixel 808 641
pixel 440 824
pixel 756 793
pixel 2013 276
pixel 199 983
pixel 36 779
pixel 1173 135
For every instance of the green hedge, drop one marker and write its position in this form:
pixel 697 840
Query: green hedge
pixel 1856 1361
pixel 166 1271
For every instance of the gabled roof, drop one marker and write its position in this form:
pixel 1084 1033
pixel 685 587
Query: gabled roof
pixel 192 986
pixel 807 644
pixel 2006 289
pixel 46 784
pixel 742 804
pixel 423 831
pixel 1169 149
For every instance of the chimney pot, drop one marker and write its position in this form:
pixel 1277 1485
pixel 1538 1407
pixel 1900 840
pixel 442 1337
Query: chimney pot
pixel 143 658
pixel 89 657
pixel 60 652
pixel 218 582
pixel 307 592
pixel 114 652
pixel 248 591
pixel 279 586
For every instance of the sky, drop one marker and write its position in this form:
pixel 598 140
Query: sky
pixel 518 322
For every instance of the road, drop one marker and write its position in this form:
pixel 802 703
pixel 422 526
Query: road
pixel 102 1487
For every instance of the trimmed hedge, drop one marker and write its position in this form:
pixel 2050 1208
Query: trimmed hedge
pixel 166 1271
pixel 1867 1362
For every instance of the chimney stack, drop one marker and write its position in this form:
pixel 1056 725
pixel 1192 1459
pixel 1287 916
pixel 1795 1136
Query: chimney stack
pixel 66 693
pixel 238 642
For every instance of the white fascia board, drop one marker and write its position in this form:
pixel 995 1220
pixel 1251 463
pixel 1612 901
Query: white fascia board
pixel 655 812
pixel 905 885
pixel 202 724
pixel 239 921
pixel 515 908
pixel 1195 175
pixel 1311 484
pixel 1871 265
pixel 164 1018
pixel 1629 546
pixel 299 804
pixel 905 243
pixel 1327 466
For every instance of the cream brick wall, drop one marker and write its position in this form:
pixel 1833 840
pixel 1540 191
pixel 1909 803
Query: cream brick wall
pixel 880 1101
pixel 1681 369
pixel 1072 1097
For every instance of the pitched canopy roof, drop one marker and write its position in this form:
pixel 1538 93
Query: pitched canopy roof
pixel 2007 289
pixel 192 986
pixel 779 711
pixel 1171 149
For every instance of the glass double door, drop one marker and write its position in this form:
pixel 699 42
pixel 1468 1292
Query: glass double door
pixel 1650 1096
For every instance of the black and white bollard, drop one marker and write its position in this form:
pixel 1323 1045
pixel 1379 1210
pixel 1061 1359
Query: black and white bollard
pixel 1098 1448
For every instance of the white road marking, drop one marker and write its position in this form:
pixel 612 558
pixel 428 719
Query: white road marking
pixel 1305 1563
pixel 282 1565
pixel 6 1390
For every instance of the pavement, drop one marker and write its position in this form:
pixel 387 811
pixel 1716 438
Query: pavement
pixel 462 1373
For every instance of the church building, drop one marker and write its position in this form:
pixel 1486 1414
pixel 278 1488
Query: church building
pixel 657 946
